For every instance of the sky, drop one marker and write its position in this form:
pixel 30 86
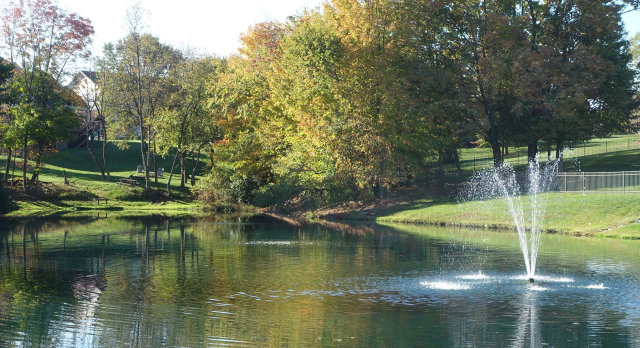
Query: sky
pixel 212 26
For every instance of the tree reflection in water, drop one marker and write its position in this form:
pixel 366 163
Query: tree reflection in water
pixel 124 281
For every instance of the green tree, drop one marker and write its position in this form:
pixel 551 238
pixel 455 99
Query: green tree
pixel 185 122
pixel 140 66
pixel 6 73
pixel 37 126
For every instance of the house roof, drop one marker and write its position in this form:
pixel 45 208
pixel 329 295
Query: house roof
pixel 91 75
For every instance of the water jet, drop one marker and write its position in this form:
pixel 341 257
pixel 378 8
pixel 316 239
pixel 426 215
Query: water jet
pixel 502 183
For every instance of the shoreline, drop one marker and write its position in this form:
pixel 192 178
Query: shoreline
pixel 596 215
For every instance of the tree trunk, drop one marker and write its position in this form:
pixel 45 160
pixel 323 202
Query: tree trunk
pixel 96 160
pixel 36 171
pixel 148 153
pixel 381 181
pixel 441 167
pixel 376 187
pixel 155 168
pixel 532 150
pixel 13 169
pixel 183 169
pixel 104 149
pixel 497 154
pixel 558 148
pixel 145 166
pixel 24 164
pixel 559 155
pixel 173 166
pixel 8 165
pixel 426 174
pixel 457 158
pixel 34 177
pixel 195 167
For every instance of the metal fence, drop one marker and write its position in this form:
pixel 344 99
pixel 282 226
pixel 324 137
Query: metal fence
pixel 599 182
pixel 518 156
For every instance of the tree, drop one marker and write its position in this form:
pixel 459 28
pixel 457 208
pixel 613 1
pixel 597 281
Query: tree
pixel 140 67
pixel 44 40
pixel 184 122
pixel 6 73
pixel 575 80
pixel 38 126
pixel 40 36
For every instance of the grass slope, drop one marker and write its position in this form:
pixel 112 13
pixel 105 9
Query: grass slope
pixel 568 213
pixel 86 183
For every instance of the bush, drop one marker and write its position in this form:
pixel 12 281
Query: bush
pixel 5 200
pixel 224 186
pixel 293 192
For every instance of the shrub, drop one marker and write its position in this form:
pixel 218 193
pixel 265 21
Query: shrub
pixel 225 186
pixel 5 200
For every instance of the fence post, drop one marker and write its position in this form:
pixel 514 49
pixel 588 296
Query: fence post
pixel 603 180
pixel 605 146
pixel 565 183
pixel 584 183
pixel 474 164
pixel 623 190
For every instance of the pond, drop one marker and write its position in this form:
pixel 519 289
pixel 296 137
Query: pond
pixel 228 281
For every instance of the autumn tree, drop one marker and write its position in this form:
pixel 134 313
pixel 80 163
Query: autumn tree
pixel 45 41
pixel 242 106
pixel 185 122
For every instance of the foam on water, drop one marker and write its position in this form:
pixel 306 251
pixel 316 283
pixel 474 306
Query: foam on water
pixel 478 276
pixel 546 279
pixel 598 286
pixel 444 285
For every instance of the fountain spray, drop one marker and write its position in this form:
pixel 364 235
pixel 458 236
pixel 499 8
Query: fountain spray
pixel 502 182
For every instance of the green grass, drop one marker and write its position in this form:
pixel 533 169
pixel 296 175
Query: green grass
pixel 585 153
pixel 86 183
pixel 631 231
pixel 567 213
pixel 608 162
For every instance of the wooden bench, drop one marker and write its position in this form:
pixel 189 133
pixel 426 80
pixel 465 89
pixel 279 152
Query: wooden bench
pixel 128 182
pixel 106 201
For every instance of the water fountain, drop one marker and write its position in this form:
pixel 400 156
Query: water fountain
pixel 502 182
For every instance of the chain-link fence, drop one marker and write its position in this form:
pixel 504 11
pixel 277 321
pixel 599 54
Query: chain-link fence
pixel 599 182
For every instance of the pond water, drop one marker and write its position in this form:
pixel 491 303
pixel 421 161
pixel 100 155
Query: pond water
pixel 152 282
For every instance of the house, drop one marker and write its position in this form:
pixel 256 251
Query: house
pixel 85 87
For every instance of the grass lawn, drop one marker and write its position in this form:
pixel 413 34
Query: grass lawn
pixel 608 162
pixel 567 213
pixel 585 153
pixel 631 231
pixel 86 183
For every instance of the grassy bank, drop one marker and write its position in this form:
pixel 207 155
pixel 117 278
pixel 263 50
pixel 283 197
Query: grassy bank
pixel 565 213
pixel 86 184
